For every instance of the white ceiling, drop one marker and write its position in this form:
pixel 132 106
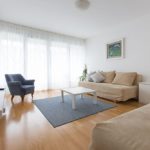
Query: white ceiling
pixel 63 17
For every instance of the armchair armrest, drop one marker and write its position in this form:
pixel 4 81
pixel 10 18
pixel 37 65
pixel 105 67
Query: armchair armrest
pixel 29 82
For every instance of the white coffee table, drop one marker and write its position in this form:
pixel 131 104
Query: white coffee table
pixel 78 91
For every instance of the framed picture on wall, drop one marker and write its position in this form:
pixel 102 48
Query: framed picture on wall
pixel 115 49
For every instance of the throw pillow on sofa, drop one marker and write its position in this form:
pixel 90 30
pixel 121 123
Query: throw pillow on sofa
pixel 125 78
pixel 89 76
pixel 97 77
pixel 109 76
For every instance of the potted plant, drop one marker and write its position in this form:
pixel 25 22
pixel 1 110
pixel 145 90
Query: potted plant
pixel 84 74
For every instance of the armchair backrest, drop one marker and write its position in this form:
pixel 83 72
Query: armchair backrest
pixel 14 77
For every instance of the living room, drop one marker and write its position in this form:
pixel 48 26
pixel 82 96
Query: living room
pixel 74 75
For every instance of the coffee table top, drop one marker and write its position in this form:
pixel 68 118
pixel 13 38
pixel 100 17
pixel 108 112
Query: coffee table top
pixel 77 90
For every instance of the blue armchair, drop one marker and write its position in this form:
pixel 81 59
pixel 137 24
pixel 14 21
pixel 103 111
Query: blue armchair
pixel 18 85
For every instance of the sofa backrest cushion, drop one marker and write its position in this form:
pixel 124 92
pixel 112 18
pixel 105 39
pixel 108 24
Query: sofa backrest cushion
pixel 89 76
pixel 125 78
pixel 109 76
pixel 97 77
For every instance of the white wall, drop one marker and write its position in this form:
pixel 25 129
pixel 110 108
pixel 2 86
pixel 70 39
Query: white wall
pixel 137 48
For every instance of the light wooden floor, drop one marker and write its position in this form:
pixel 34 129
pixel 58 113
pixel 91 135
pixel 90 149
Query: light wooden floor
pixel 25 128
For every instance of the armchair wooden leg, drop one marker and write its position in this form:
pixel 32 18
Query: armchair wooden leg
pixel 12 98
pixel 22 98
pixel 32 96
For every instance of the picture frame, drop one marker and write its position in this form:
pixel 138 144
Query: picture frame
pixel 115 49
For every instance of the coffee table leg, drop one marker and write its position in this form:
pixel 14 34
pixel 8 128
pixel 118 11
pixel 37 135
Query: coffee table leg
pixel 81 96
pixel 73 102
pixel 95 98
pixel 62 95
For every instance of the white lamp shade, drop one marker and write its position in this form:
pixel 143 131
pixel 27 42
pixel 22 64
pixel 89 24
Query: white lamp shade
pixel 82 4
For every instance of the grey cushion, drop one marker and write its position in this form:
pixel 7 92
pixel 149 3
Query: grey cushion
pixel 89 76
pixel 97 77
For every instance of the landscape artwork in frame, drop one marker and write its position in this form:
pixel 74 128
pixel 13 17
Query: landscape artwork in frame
pixel 115 49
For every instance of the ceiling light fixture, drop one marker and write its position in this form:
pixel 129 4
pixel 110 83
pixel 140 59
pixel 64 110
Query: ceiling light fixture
pixel 82 4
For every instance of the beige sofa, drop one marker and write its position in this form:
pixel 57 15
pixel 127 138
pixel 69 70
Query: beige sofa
pixel 111 91
pixel 130 131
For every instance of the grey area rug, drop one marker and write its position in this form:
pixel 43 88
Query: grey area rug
pixel 58 113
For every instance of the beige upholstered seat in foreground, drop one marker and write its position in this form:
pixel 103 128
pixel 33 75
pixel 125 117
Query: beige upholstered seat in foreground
pixel 130 131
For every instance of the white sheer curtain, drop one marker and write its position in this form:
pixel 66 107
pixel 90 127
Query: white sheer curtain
pixel 36 62
pixel 67 62
pixel 53 60
pixel 59 70
pixel 77 62
pixel 11 54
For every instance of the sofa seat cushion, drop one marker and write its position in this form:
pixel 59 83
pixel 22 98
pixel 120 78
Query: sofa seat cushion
pixel 112 91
